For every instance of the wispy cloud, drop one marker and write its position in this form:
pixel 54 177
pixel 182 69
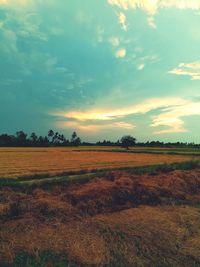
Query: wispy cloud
pixel 115 41
pixel 171 113
pixel 151 7
pixel 151 22
pixel 114 113
pixel 124 125
pixel 22 23
pixel 188 69
pixel 141 67
pixel 142 62
pixel 87 127
pixel 121 53
pixel 15 2
pixel 172 117
pixel 122 21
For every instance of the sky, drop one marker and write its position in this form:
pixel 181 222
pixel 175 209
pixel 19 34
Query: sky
pixel 104 68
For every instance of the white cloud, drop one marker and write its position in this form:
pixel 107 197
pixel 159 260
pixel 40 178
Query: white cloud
pixel 120 53
pixel 172 117
pixel 151 22
pixel 122 21
pixel 141 67
pixel 188 69
pixel 151 7
pixel 171 114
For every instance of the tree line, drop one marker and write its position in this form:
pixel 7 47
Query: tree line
pixel 53 138
pixel 22 139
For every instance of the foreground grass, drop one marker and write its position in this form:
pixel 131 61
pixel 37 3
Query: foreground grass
pixel 140 237
pixel 44 259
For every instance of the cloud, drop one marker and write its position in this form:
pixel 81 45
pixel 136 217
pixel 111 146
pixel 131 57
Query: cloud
pixel 17 4
pixel 124 125
pixel 142 62
pixel 114 41
pixel 171 113
pixel 151 7
pixel 173 117
pixel 140 67
pixel 3 2
pixel 151 22
pixel 188 69
pixel 87 127
pixel 22 23
pixel 120 53
pixel 122 21
pixel 148 5
pixel 111 114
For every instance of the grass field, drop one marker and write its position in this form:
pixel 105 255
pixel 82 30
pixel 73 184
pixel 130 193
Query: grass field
pixel 151 150
pixel 21 162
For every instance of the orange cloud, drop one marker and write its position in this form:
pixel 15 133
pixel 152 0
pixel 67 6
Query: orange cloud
pixel 120 53
pixel 87 127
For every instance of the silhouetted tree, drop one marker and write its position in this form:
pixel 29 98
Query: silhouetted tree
pixel 43 141
pixel 61 139
pixel 21 138
pixel 50 135
pixel 75 140
pixel 55 138
pixel 127 141
pixel 7 140
pixel 74 136
pixel 33 139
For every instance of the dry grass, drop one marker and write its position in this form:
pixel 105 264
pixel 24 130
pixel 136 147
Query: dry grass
pixel 144 236
pixel 119 219
pixel 18 162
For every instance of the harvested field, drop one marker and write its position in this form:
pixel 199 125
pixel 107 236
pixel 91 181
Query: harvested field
pixel 19 162
pixel 119 219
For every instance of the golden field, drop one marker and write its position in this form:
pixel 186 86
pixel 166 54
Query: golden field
pixel 19 162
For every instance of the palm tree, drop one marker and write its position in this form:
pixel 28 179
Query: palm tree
pixel 50 135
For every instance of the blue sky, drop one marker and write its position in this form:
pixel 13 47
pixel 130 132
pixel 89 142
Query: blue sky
pixel 104 68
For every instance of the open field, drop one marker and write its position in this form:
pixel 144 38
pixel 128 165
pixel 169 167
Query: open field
pixel 20 162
